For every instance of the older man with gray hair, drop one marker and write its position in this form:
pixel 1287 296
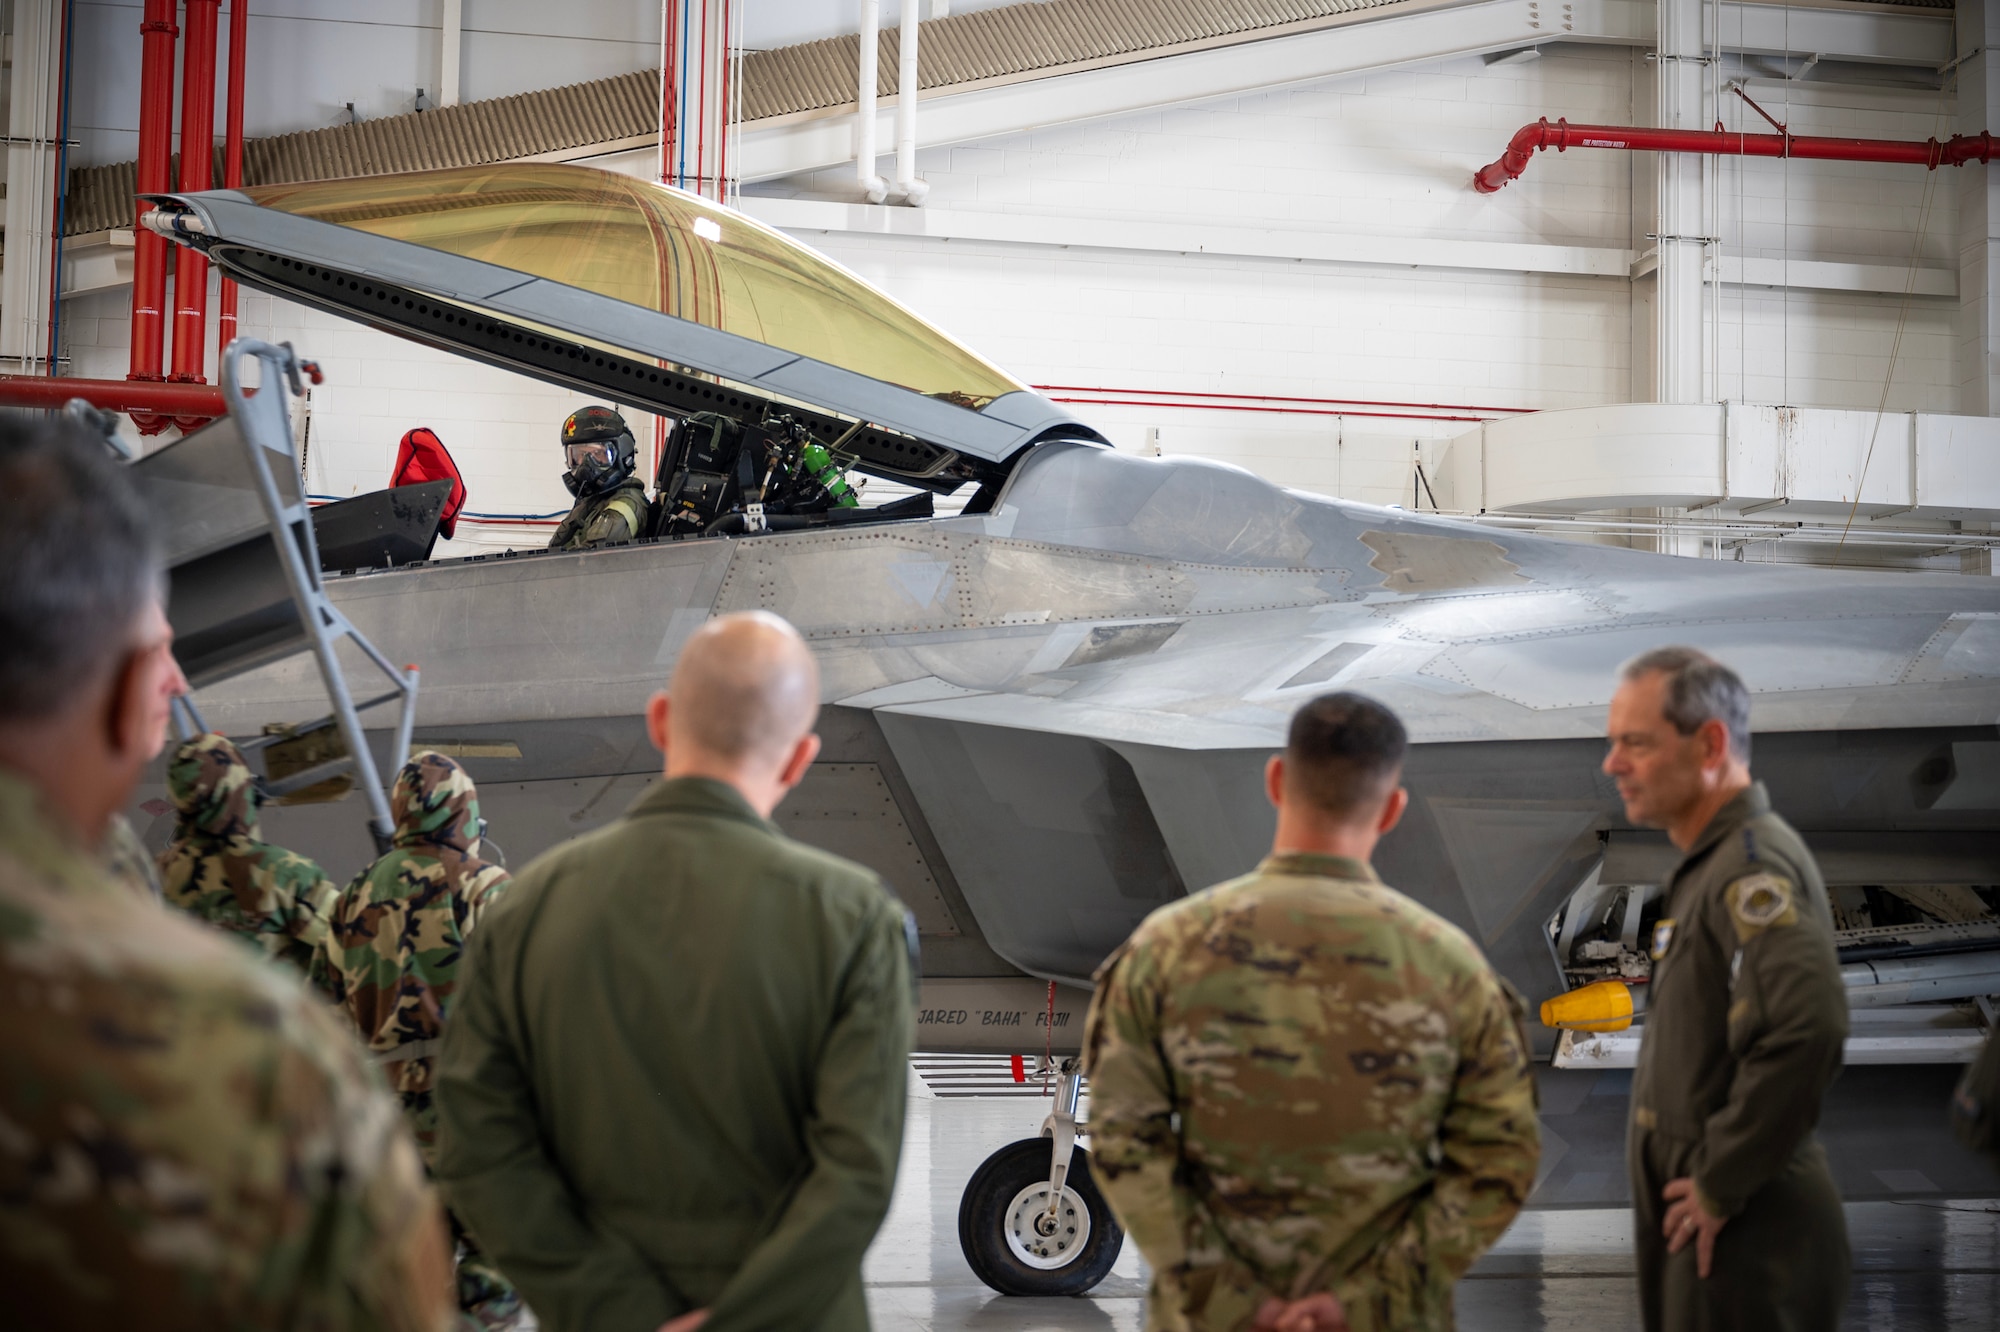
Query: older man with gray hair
pixel 672 1089
pixel 1738 1223
pixel 189 1139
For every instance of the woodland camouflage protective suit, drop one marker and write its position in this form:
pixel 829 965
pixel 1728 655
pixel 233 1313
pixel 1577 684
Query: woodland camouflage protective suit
pixel 398 933
pixel 192 1142
pixel 1302 1081
pixel 217 869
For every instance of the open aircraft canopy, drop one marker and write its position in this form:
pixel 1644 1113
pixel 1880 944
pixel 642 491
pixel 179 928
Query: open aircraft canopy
pixel 618 285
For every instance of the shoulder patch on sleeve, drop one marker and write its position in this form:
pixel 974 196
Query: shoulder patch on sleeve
pixel 1761 900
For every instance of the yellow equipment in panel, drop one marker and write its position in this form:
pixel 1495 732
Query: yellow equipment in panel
pixel 1604 1005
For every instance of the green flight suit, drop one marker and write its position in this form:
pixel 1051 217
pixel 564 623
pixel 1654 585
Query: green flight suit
pixel 674 1075
pixel 619 514
pixel 1975 1106
pixel 1744 1033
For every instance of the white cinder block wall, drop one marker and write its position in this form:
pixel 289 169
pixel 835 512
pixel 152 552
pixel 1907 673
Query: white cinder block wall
pixel 1388 154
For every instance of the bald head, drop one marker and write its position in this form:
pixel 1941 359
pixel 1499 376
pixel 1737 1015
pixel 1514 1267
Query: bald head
pixel 745 691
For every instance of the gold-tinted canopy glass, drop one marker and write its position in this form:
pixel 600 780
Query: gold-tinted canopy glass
pixel 660 248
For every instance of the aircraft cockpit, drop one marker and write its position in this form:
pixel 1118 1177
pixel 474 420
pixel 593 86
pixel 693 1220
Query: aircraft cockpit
pixel 789 378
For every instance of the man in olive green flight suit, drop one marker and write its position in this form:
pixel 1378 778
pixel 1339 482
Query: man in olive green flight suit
pixel 599 455
pixel 1737 1221
pixel 1975 1105
pixel 1312 1103
pixel 672 1087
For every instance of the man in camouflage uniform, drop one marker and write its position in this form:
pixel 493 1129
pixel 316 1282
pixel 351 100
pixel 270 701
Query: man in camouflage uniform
pixel 187 1140
pixel 216 868
pixel 398 932
pixel 1311 1101
pixel 1736 1218
pixel 127 860
pixel 599 455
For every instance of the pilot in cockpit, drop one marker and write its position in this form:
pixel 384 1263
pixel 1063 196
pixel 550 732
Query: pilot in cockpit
pixel 598 460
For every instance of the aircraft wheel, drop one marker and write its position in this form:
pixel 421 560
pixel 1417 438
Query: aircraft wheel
pixel 1004 1230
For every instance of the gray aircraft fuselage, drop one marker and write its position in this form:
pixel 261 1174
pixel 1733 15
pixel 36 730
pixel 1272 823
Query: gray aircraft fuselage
pixel 1045 721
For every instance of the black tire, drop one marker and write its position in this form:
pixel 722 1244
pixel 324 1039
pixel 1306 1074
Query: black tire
pixel 983 1220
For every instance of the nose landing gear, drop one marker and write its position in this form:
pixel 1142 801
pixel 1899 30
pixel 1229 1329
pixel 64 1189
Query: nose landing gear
pixel 1031 1221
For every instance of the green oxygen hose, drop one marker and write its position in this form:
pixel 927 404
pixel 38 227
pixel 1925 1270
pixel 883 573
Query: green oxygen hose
pixel 821 467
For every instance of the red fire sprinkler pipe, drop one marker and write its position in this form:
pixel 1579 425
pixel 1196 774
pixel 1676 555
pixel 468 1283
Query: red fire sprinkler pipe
pixel 197 173
pixel 1562 136
pixel 149 249
pixel 232 151
pixel 161 402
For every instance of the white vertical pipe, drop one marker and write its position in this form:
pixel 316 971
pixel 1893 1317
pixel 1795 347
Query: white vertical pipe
pixel 872 185
pixel 30 178
pixel 1683 211
pixel 450 39
pixel 907 184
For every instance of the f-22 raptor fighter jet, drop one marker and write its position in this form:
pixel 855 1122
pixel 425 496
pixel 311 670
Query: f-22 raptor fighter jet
pixel 1047 715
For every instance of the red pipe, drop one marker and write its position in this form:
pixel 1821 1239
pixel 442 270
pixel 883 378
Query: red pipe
pixel 1280 411
pixel 232 150
pixel 136 398
pixel 1562 136
pixel 197 173
pixel 722 149
pixel 1272 397
pixel 149 249
pixel 701 115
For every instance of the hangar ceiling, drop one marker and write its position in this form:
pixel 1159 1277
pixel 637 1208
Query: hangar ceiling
pixel 1077 53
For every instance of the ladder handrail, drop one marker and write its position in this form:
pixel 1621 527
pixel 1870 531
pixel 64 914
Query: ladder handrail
pixel 265 424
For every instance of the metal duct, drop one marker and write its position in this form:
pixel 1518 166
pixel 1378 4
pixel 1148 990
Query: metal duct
pixel 1889 982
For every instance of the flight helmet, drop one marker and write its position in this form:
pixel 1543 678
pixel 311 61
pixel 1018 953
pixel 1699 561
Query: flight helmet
pixel 598 450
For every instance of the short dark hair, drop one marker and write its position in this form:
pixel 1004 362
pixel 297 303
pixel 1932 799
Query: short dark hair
pixel 1344 752
pixel 79 561
pixel 1699 689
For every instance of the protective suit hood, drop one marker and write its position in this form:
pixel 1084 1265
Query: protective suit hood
pixel 213 789
pixel 435 806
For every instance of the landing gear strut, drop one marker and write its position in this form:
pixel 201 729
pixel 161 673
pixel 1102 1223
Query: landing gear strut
pixel 1031 1221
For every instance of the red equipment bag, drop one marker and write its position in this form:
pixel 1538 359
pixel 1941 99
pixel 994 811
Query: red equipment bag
pixel 422 457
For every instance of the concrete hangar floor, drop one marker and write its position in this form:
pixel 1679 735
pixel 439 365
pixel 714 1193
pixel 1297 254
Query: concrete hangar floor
pixel 1923 1215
